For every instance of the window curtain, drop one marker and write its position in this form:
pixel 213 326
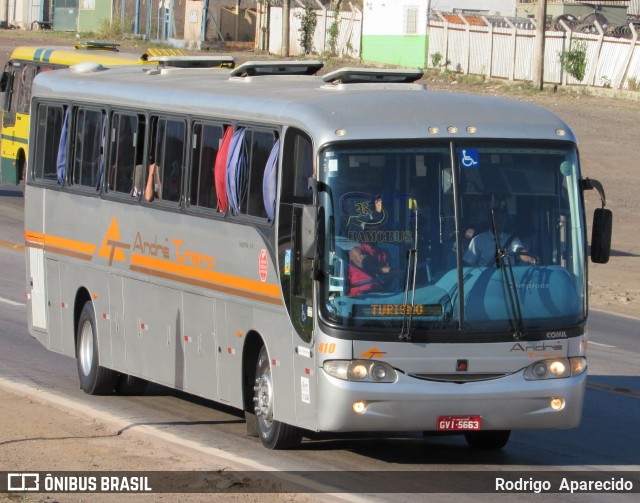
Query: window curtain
pixel 220 170
pixel 269 181
pixel 61 164
pixel 236 172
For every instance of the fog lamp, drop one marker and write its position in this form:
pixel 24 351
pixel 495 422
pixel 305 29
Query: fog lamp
pixel 359 407
pixel 557 403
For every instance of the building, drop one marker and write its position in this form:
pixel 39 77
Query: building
pixel 395 32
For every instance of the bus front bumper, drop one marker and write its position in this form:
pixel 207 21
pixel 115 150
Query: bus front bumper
pixel 411 404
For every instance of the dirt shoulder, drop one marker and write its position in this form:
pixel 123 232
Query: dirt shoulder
pixel 37 435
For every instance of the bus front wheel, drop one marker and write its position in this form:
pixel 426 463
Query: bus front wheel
pixel 94 379
pixel 273 434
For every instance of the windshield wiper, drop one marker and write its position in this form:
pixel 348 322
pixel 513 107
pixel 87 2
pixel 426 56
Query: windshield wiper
pixel 503 261
pixel 410 276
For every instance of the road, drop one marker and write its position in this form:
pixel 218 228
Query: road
pixel 606 441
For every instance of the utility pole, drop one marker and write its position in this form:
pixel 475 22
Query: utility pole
pixel 285 28
pixel 236 33
pixel 538 54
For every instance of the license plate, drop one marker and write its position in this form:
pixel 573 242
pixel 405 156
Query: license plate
pixel 459 423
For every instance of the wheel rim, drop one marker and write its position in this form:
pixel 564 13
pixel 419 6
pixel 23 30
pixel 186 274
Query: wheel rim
pixel 85 354
pixel 263 396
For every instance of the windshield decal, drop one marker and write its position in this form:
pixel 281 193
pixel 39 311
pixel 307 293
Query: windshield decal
pixel 368 220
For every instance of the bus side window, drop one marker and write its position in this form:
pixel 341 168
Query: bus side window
pixel 168 147
pixel 127 146
pixel 12 87
pixel 245 172
pixel 24 95
pixel 206 142
pixel 48 131
pixel 87 149
pixel 259 145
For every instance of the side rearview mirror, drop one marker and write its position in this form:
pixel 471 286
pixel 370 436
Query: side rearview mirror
pixel 602 224
pixel 601 236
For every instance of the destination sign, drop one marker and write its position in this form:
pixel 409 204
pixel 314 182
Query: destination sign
pixel 391 310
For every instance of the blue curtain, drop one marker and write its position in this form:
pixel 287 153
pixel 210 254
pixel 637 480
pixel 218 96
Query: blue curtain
pixel 236 171
pixel 103 146
pixel 269 181
pixel 61 163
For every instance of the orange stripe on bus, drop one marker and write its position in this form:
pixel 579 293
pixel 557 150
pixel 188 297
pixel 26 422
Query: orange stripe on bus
pixel 208 276
pixel 57 244
pixel 69 244
pixel 34 237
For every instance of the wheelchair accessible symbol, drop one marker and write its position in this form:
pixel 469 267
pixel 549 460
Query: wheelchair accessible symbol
pixel 469 158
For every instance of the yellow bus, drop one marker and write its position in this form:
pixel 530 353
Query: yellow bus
pixel 25 63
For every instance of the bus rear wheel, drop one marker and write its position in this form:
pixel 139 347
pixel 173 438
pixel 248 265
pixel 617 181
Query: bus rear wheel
pixel 94 379
pixel 487 439
pixel 273 434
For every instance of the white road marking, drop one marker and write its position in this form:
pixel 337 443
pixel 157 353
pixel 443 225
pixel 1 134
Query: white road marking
pixel 11 302
pixel 602 345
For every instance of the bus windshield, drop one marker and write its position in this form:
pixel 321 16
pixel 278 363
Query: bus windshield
pixel 478 237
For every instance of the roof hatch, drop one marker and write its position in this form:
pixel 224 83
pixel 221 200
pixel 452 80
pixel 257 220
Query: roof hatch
pixel 194 61
pixel 254 68
pixel 353 75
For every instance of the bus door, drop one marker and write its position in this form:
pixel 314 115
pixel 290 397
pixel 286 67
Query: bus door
pixel 295 270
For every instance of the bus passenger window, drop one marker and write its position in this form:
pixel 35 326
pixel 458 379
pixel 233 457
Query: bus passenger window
pixel 24 96
pixel 260 144
pixel 127 146
pixel 164 173
pixel 87 149
pixel 48 131
pixel 297 170
pixel 11 100
pixel 206 142
pixel 248 156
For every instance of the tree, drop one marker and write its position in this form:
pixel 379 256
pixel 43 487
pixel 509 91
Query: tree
pixel 308 22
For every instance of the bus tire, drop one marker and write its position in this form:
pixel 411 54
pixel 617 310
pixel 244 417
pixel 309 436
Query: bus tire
pixel 487 439
pixel 273 434
pixel 94 379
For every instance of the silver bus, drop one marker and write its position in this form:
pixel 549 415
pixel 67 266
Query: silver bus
pixel 347 252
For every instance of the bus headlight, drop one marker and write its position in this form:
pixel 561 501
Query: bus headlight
pixel 555 368
pixel 360 370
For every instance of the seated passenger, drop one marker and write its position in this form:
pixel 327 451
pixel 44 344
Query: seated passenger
pixel 482 248
pixel 153 189
pixel 368 266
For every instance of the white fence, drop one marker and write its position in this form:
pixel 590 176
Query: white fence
pixel 507 52
pixel 347 42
